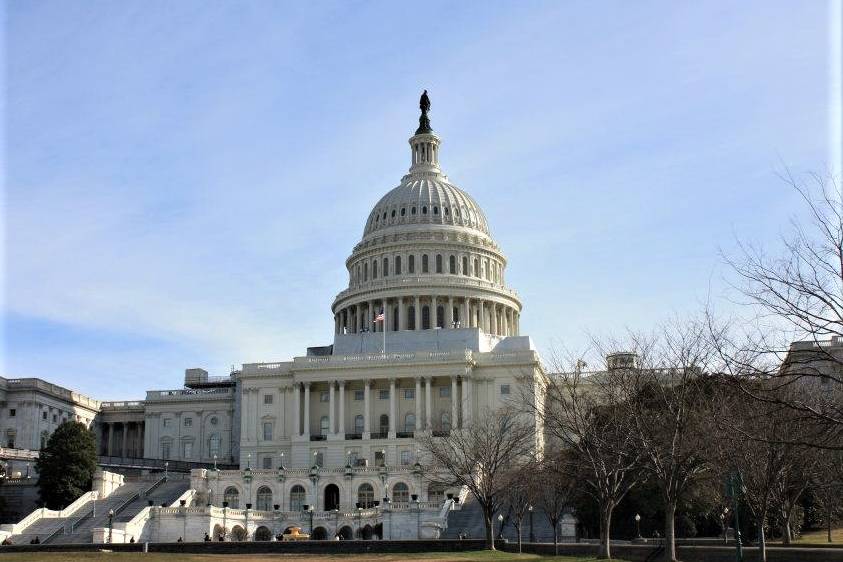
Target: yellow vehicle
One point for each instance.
(295, 534)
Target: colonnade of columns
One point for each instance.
(425, 312)
(459, 415)
(122, 439)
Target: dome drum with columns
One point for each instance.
(427, 259)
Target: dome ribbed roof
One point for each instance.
(426, 200)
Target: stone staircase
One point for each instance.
(127, 501)
(469, 521)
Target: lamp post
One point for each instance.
(281, 465)
(532, 536)
(734, 486)
(110, 524)
(723, 525)
(215, 462)
(500, 526)
(418, 517)
(309, 508)
(166, 468)
(336, 522)
(637, 527)
(359, 521)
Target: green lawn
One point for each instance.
(433, 556)
(821, 537)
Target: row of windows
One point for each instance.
(214, 448)
(188, 421)
(13, 412)
(298, 496)
(485, 268)
(463, 214)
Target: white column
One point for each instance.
(418, 404)
(494, 313)
(392, 424)
(366, 392)
(481, 316)
(428, 405)
(297, 408)
(449, 314)
(465, 321)
(418, 313)
(434, 318)
(342, 409)
(359, 317)
(466, 401)
(455, 414)
(307, 409)
(373, 326)
(331, 407)
(402, 315)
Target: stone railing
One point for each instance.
(438, 279)
(18, 454)
(399, 357)
(306, 471)
(122, 405)
(54, 390)
(190, 394)
(44, 513)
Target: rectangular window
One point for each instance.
(267, 463)
(379, 458)
(383, 394)
(358, 395)
(406, 458)
(55, 418)
(165, 451)
(12, 412)
(409, 394)
(188, 450)
(267, 399)
(353, 457)
(11, 444)
(44, 415)
(444, 392)
(188, 422)
(267, 431)
(324, 396)
(504, 389)
(166, 422)
(320, 458)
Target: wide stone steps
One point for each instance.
(468, 521)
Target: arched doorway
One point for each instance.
(366, 533)
(219, 530)
(366, 495)
(332, 497)
(346, 533)
(319, 534)
(378, 531)
(238, 533)
(263, 534)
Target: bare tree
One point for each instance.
(666, 403)
(828, 484)
(795, 295)
(558, 474)
(585, 415)
(481, 457)
(519, 495)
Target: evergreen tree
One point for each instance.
(66, 465)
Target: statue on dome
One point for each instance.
(424, 102)
(424, 121)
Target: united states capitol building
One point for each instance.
(426, 337)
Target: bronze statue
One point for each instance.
(424, 102)
(424, 121)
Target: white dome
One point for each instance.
(426, 200)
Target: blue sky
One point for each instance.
(184, 180)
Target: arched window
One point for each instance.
(366, 271)
(400, 493)
(385, 267)
(264, 499)
(384, 423)
(397, 265)
(403, 211)
(323, 426)
(358, 424)
(436, 492)
(296, 497)
(366, 495)
(413, 211)
(440, 316)
(375, 269)
(488, 275)
(438, 263)
(395, 327)
(424, 210)
(452, 265)
(425, 318)
(445, 421)
(232, 496)
(411, 264)
(435, 210)
(465, 265)
(424, 263)
(393, 213)
(476, 267)
(214, 445)
(410, 422)
(411, 318)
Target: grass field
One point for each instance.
(821, 537)
(430, 557)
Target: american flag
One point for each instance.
(379, 317)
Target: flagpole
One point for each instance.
(384, 331)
